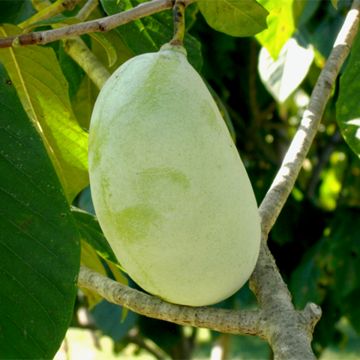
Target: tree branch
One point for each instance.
(288, 331)
(100, 25)
(222, 320)
(285, 179)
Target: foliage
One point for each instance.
(46, 101)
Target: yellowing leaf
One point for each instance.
(43, 92)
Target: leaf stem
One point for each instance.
(179, 23)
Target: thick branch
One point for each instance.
(102, 24)
(222, 320)
(285, 179)
(288, 331)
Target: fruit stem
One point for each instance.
(179, 22)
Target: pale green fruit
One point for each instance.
(169, 189)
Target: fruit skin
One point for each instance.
(169, 189)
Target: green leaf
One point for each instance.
(335, 3)
(280, 25)
(348, 104)
(234, 17)
(16, 11)
(39, 243)
(73, 73)
(43, 92)
(94, 244)
(84, 101)
(151, 32)
(284, 75)
(91, 232)
(107, 45)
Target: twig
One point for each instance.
(223, 320)
(102, 24)
(87, 9)
(285, 179)
(179, 22)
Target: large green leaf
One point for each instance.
(39, 243)
(43, 92)
(283, 76)
(151, 32)
(280, 25)
(348, 104)
(234, 17)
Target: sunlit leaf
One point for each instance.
(234, 17)
(43, 92)
(280, 25)
(332, 178)
(283, 76)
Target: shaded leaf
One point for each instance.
(283, 76)
(280, 25)
(91, 232)
(71, 70)
(303, 10)
(335, 3)
(84, 101)
(234, 17)
(43, 92)
(15, 11)
(332, 264)
(107, 45)
(348, 104)
(39, 242)
(151, 32)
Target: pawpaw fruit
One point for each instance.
(169, 188)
